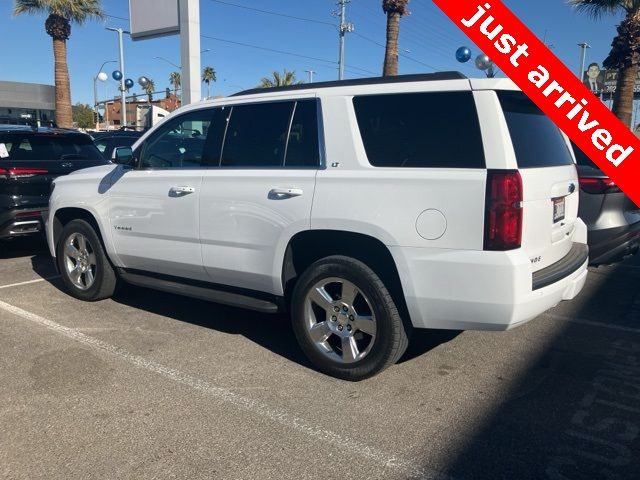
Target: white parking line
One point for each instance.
(591, 323)
(342, 443)
(29, 282)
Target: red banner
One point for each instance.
(557, 91)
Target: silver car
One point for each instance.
(612, 219)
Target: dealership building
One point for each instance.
(23, 103)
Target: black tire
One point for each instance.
(391, 339)
(105, 279)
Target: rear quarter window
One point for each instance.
(420, 130)
(581, 157)
(536, 140)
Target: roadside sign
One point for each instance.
(153, 18)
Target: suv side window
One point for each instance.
(179, 143)
(262, 135)
(421, 130)
(257, 134)
(302, 147)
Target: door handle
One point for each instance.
(181, 191)
(281, 193)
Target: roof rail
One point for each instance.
(420, 77)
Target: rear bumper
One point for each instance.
(19, 222)
(479, 290)
(613, 244)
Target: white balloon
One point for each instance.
(103, 77)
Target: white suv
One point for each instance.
(364, 208)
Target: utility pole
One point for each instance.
(583, 59)
(345, 27)
(123, 109)
(311, 73)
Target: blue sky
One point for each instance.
(427, 39)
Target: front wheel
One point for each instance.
(345, 319)
(85, 269)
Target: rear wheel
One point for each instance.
(83, 263)
(345, 319)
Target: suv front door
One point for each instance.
(262, 192)
(153, 208)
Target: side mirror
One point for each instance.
(123, 156)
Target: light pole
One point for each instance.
(123, 109)
(102, 77)
(311, 73)
(583, 59)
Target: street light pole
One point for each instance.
(583, 59)
(311, 73)
(123, 109)
(95, 92)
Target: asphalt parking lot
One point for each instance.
(150, 385)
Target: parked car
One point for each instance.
(107, 142)
(30, 158)
(364, 208)
(613, 220)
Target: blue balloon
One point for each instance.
(128, 83)
(117, 75)
(463, 54)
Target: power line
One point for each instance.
(283, 52)
(399, 53)
(117, 18)
(277, 14)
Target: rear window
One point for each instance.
(581, 157)
(536, 139)
(421, 130)
(49, 147)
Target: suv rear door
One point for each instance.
(260, 192)
(549, 179)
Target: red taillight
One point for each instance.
(36, 213)
(598, 185)
(22, 172)
(503, 215)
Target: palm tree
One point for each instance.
(280, 79)
(149, 88)
(625, 51)
(394, 9)
(208, 76)
(174, 80)
(61, 13)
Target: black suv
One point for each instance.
(30, 158)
